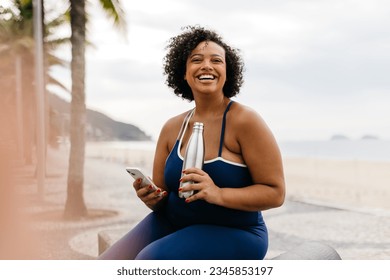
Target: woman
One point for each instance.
(242, 173)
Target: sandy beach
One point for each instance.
(354, 184)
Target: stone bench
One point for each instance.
(108, 237)
(309, 250)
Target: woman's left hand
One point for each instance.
(203, 186)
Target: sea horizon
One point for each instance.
(362, 149)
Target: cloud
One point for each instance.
(313, 68)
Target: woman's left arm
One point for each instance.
(262, 156)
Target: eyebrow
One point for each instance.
(203, 55)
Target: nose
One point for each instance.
(206, 65)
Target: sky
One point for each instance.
(313, 68)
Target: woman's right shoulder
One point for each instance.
(172, 126)
(175, 122)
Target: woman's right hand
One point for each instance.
(148, 195)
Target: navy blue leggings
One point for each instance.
(154, 238)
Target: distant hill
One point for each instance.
(364, 137)
(99, 126)
(339, 137)
(370, 137)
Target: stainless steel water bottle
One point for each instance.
(194, 156)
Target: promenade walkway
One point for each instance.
(111, 200)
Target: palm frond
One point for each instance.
(54, 60)
(53, 81)
(53, 43)
(115, 11)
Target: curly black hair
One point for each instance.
(179, 49)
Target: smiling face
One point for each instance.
(206, 68)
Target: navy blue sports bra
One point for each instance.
(225, 174)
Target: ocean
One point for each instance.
(370, 149)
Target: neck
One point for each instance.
(210, 107)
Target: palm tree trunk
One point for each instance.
(19, 107)
(75, 206)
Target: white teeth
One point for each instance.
(206, 77)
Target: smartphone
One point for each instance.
(137, 173)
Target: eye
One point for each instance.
(196, 59)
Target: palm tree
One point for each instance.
(17, 56)
(75, 205)
(19, 21)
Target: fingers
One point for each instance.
(195, 196)
(197, 184)
(153, 199)
(202, 185)
(137, 184)
(148, 194)
(191, 177)
(194, 170)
